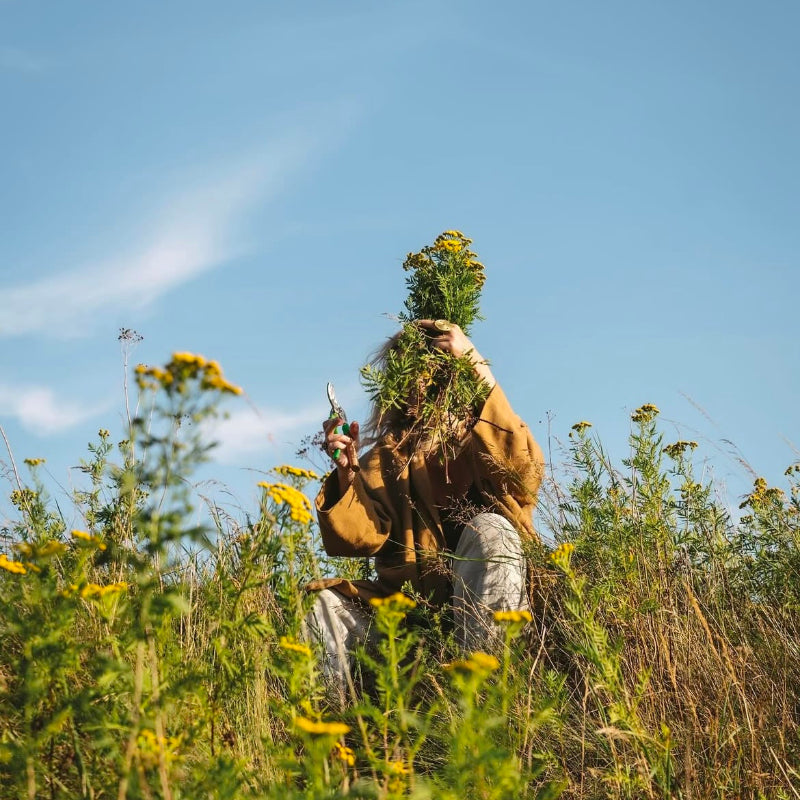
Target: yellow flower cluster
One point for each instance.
(580, 427)
(23, 498)
(92, 590)
(294, 647)
(677, 449)
(151, 747)
(513, 616)
(34, 462)
(344, 754)
(83, 536)
(645, 413)
(182, 368)
(283, 494)
(476, 663)
(11, 566)
(793, 469)
(450, 245)
(562, 554)
(50, 548)
(761, 495)
(447, 242)
(396, 602)
(297, 472)
(396, 767)
(320, 728)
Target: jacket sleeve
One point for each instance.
(358, 522)
(509, 459)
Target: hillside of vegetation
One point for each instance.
(157, 652)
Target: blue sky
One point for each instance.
(243, 180)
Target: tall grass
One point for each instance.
(156, 650)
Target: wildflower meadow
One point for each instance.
(154, 648)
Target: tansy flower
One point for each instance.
(298, 472)
(23, 498)
(513, 616)
(298, 504)
(395, 601)
(344, 753)
(676, 449)
(395, 767)
(580, 427)
(34, 462)
(189, 358)
(645, 413)
(450, 245)
(321, 728)
(89, 539)
(184, 367)
(477, 662)
(51, 548)
(561, 555)
(295, 647)
(95, 590)
(152, 748)
(11, 566)
(761, 494)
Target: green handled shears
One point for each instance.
(337, 411)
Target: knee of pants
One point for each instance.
(489, 535)
(321, 617)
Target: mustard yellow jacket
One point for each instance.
(388, 511)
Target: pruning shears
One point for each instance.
(338, 412)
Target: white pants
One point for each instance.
(488, 575)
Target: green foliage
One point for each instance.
(420, 391)
(444, 281)
(157, 650)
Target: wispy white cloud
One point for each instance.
(199, 229)
(39, 410)
(250, 432)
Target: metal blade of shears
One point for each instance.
(337, 411)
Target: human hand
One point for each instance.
(347, 445)
(454, 340)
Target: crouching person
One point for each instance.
(449, 524)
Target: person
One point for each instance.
(451, 529)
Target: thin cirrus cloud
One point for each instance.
(39, 410)
(251, 432)
(201, 229)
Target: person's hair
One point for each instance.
(389, 423)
